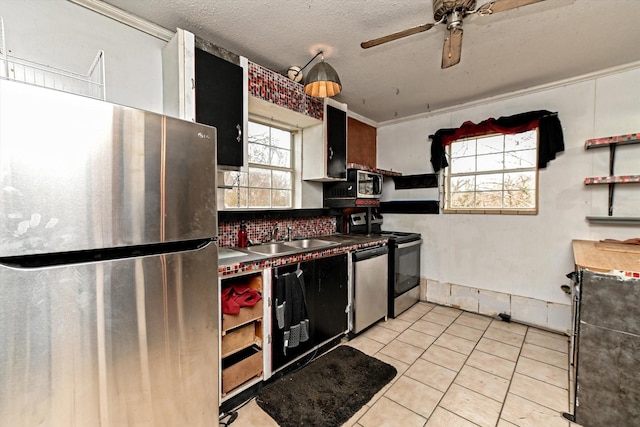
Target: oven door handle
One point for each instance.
(408, 244)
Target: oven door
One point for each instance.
(407, 267)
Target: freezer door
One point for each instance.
(81, 174)
(129, 342)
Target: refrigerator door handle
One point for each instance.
(97, 255)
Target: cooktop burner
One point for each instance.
(400, 236)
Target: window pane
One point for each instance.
(519, 159)
(259, 154)
(463, 165)
(259, 178)
(491, 145)
(489, 182)
(236, 178)
(489, 199)
(520, 181)
(490, 162)
(463, 148)
(463, 183)
(259, 198)
(519, 199)
(281, 180)
(258, 133)
(281, 158)
(521, 141)
(462, 200)
(236, 197)
(280, 138)
(281, 198)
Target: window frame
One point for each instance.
(447, 175)
(250, 165)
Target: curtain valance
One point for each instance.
(550, 138)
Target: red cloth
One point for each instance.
(485, 127)
(236, 296)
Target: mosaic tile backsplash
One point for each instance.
(260, 230)
(273, 87)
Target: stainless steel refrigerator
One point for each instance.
(108, 264)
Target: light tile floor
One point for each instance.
(459, 369)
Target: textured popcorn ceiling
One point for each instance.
(510, 51)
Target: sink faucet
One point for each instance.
(274, 233)
(289, 233)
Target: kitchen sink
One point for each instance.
(310, 243)
(281, 248)
(271, 249)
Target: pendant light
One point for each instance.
(322, 81)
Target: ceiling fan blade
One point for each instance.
(452, 49)
(396, 36)
(501, 5)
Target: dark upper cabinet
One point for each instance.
(324, 146)
(202, 87)
(220, 103)
(336, 123)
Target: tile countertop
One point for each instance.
(236, 260)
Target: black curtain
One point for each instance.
(550, 138)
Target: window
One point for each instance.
(493, 174)
(269, 180)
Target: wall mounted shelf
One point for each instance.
(612, 142)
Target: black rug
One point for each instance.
(328, 391)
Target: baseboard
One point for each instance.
(554, 317)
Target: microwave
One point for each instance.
(368, 184)
(360, 185)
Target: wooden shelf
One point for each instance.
(612, 142)
(622, 179)
(632, 138)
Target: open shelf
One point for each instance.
(623, 179)
(612, 142)
(628, 220)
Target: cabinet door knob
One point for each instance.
(330, 153)
(239, 137)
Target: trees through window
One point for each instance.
(492, 174)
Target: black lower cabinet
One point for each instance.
(326, 295)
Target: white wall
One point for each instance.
(61, 34)
(526, 256)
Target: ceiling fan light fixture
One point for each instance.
(322, 81)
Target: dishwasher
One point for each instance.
(369, 298)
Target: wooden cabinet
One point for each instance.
(241, 338)
(326, 293)
(200, 86)
(324, 146)
(362, 145)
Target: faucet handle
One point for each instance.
(289, 233)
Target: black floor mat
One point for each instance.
(328, 391)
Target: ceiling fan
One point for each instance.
(451, 13)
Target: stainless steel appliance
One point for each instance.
(404, 260)
(108, 264)
(370, 269)
(362, 188)
(404, 270)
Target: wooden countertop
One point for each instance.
(605, 256)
